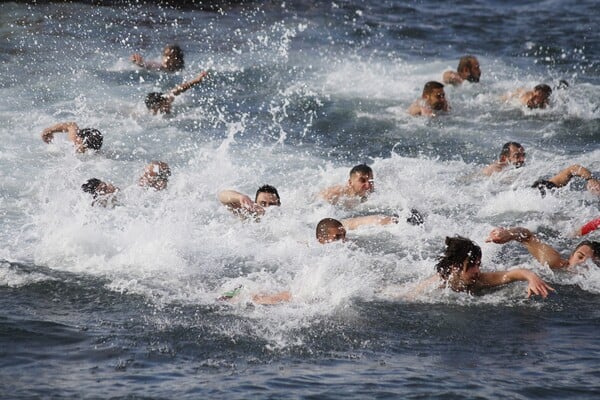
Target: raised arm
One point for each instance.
(70, 127)
(497, 278)
(542, 252)
(186, 85)
(353, 223)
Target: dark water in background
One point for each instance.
(115, 303)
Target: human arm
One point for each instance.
(269, 299)
(138, 60)
(493, 168)
(70, 127)
(542, 252)
(415, 108)
(177, 90)
(497, 278)
(564, 176)
(239, 201)
(589, 227)
(353, 223)
(333, 194)
(451, 78)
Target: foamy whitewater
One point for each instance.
(121, 302)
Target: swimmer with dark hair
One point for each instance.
(539, 97)
(459, 269)
(512, 154)
(83, 139)
(243, 206)
(156, 175)
(432, 99)
(102, 192)
(172, 60)
(565, 176)
(468, 70)
(161, 102)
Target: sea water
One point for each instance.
(121, 302)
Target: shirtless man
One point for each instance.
(565, 176)
(156, 175)
(512, 154)
(331, 230)
(468, 70)
(543, 252)
(539, 97)
(242, 205)
(83, 139)
(360, 185)
(433, 99)
(161, 102)
(172, 60)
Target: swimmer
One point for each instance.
(588, 227)
(539, 97)
(161, 102)
(102, 192)
(459, 269)
(331, 230)
(242, 205)
(468, 70)
(433, 99)
(83, 139)
(543, 252)
(156, 175)
(360, 185)
(512, 154)
(172, 60)
(565, 176)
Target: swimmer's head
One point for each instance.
(96, 187)
(586, 250)
(158, 102)
(330, 230)
(460, 257)
(89, 138)
(541, 96)
(434, 95)
(513, 153)
(468, 68)
(361, 180)
(172, 58)
(267, 196)
(156, 175)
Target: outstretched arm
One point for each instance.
(70, 127)
(535, 284)
(138, 60)
(239, 201)
(186, 85)
(564, 176)
(353, 223)
(542, 252)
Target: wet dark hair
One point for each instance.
(430, 86)
(506, 148)
(542, 87)
(458, 249)
(542, 185)
(91, 186)
(595, 246)
(154, 100)
(267, 189)
(177, 55)
(324, 225)
(91, 138)
(562, 84)
(361, 169)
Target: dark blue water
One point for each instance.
(121, 303)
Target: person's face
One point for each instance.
(581, 255)
(516, 156)
(163, 107)
(472, 73)
(538, 100)
(265, 200)
(155, 177)
(333, 234)
(436, 99)
(362, 184)
(470, 271)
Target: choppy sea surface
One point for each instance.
(121, 302)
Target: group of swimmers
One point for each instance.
(458, 268)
